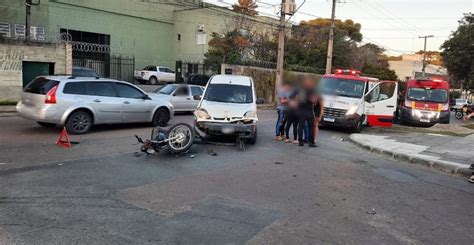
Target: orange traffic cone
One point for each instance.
(63, 139)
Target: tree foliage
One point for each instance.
(226, 48)
(458, 51)
(306, 47)
(247, 7)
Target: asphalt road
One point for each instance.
(97, 192)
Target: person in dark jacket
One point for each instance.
(307, 98)
(318, 115)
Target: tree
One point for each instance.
(247, 7)
(458, 52)
(432, 57)
(348, 27)
(226, 48)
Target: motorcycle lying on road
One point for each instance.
(178, 139)
(460, 113)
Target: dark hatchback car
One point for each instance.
(198, 79)
(78, 71)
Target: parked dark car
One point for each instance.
(198, 79)
(78, 71)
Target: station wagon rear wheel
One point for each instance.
(79, 122)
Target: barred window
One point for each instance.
(5, 29)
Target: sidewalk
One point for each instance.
(447, 153)
(7, 110)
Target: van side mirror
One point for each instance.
(197, 97)
(368, 97)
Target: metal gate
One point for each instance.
(98, 57)
(185, 70)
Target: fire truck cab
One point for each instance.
(351, 100)
(425, 102)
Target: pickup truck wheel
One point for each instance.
(153, 81)
(161, 117)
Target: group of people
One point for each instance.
(300, 108)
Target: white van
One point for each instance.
(228, 107)
(352, 101)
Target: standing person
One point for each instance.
(292, 117)
(307, 98)
(318, 115)
(281, 108)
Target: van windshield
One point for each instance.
(229, 93)
(428, 95)
(168, 89)
(342, 87)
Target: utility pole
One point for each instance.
(331, 39)
(281, 48)
(424, 54)
(27, 19)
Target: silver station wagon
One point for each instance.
(80, 102)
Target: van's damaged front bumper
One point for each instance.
(205, 129)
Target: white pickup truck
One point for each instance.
(154, 75)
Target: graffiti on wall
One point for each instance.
(11, 60)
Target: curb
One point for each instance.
(8, 114)
(440, 165)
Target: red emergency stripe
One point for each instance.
(429, 106)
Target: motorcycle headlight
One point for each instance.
(352, 110)
(201, 114)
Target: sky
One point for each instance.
(393, 24)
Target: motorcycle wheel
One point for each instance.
(459, 114)
(182, 138)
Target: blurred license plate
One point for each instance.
(425, 120)
(329, 119)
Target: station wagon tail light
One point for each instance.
(51, 96)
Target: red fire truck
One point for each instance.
(424, 102)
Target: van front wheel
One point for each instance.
(359, 125)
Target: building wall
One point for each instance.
(136, 28)
(13, 53)
(409, 68)
(213, 19)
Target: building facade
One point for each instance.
(117, 36)
(411, 66)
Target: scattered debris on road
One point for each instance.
(278, 163)
(211, 152)
(192, 156)
(371, 211)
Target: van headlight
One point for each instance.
(201, 114)
(352, 110)
(249, 116)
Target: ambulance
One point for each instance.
(352, 101)
(425, 101)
